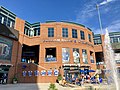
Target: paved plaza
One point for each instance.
(45, 86)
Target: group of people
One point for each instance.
(83, 78)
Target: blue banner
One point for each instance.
(29, 73)
(24, 73)
(49, 72)
(43, 73)
(56, 72)
(36, 73)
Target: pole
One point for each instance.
(100, 22)
(99, 17)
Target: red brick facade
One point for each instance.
(44, 41)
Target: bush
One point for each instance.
(14, 80)
(52, 87)
(59, 77)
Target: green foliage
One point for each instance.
(59, 77)
(15, 79)
(52, 87)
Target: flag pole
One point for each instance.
(99, 17)
(100, 23)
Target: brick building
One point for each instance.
(38, 52)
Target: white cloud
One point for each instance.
(105, 2)
(113, 27)
(86, 12)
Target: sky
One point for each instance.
(78, 11)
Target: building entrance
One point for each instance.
(4, 74)
(71, 72)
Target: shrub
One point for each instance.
(59, 77)
(52, 87)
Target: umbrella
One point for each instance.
(82, 71)
(91, 71)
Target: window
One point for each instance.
(26, 30)
(8, 22)
(91, 57)
(82, 35)
(119, 39)
(97, 41)
(111, 40)
(0, 19)
(5, 21)
(74, 33)
(36, 31)
(89, 37)
(64, 32)
(115, 40)
(50, 54)
(50, 32)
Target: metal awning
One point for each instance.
(5, 64)
(71, 65)
(9, 32)
(84, 65)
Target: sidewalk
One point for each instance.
(45, 86)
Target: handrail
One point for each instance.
(39, 66)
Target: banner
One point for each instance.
(36, 73)
(29, 73)
(56, 72)
(24, 73)
(84, 56)
(50, 58)
(65, 55)
(43, 73)
(49, 72)
(91, 59)
(76, 55)
(5, 48)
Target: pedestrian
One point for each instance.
(97, 78)
(82, 79)
(4, 79)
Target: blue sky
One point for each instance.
(79, 11)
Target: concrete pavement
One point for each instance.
(45, 86)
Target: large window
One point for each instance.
(6, 21)
(50, 32)
(30, 54)
(82, 35)
(64, 32)
(50, 54)
(89, 37)
(31, 31)
(115, 39)
(74, 33)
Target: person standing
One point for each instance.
(97, 78)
